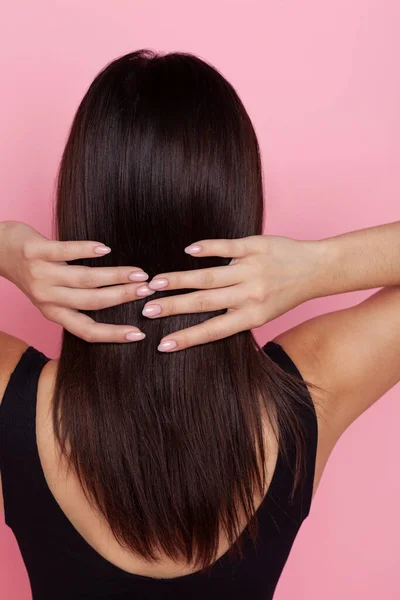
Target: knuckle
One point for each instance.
(35, 270)
(208, 278)
(211, 334)
(167, 306)
(242, 247)
(204, 303)
(183, 340)
(37, 292)
(87, 335)
(52, 313)
(28, 250)
(174, 281)
(32, 276)
(121, 274)
(65, 248)
(87, 278)
(127, 293)
(258, 293)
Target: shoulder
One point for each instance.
(11, 350)
(351, 355)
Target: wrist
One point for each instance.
(326, 275)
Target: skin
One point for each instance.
(353, 354)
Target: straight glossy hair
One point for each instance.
(168, 447)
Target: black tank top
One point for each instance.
(61, 565)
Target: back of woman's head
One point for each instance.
(162, 154)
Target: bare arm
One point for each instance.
(353, 353)
(359, 260)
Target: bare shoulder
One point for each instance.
(352, 354)
(11, 350)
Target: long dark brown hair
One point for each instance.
(168, 447)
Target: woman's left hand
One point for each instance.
(38, 267)
(267, 276)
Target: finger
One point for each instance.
(77, 276)
(194, 302)
(84, 327)
(237, 248)
(97, 299)
(213, 329)
(204, 279)
(63, 251)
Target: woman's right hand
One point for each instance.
(267, 276)
(38, 266)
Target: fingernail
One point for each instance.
(144, 290)
(192, 249)
(102, 250)
(134, 336)
(157, 284)
(138, 276)
(167, 345)
(151, 310)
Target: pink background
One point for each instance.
(321, 83)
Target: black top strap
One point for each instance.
(18, 407)
(308, 418)
(18, 449)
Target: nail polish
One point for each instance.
(134, 336)
(167, 345)
(101, 249)
(138, 276)
(152, 310)
(158, 284)
(144, 290)
(193, 249)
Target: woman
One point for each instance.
(173, 457)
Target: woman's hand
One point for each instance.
(38, 267)
(267, 276)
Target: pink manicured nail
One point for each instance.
(102, 249)
(138, 276)
(144, 290)
(193, 249)
(134, 336)
(158, 284)
(167, 346)
(152, 310)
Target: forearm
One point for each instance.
(359, 260)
